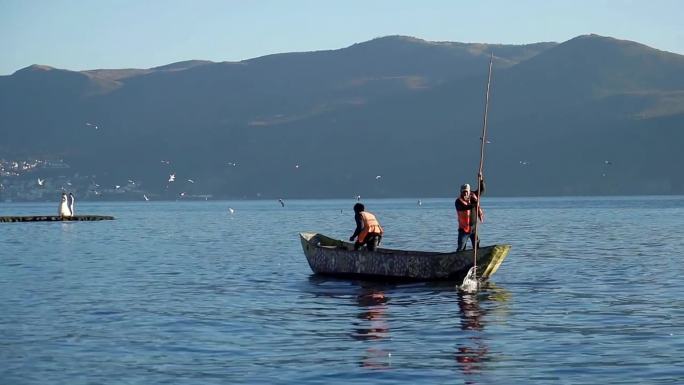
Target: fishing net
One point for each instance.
(470, 283)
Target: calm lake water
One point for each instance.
(187, 293)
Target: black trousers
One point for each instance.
(372, 241)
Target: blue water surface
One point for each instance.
(188, 293)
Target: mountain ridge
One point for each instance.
(556, 111)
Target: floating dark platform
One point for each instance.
(56, 218)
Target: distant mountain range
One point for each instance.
(590, 116)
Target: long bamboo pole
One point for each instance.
(479, 173)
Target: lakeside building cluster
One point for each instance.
(44, 180)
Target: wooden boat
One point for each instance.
(335, 257)
(52, 218)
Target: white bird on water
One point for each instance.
(71, 201)
(64, 210)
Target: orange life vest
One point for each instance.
(465, 218)
(370, 225)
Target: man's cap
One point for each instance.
(465, 187)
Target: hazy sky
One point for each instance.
(80, 34)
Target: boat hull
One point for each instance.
(338, 258)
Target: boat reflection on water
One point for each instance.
(473, 354)
(375, 313)
(372, 326)
(373, 323)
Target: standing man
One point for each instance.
(368, 229)
(466, 205)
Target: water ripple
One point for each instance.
(183, 292)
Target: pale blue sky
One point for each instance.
(80, 34)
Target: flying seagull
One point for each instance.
(282, 203)
(41, 182)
